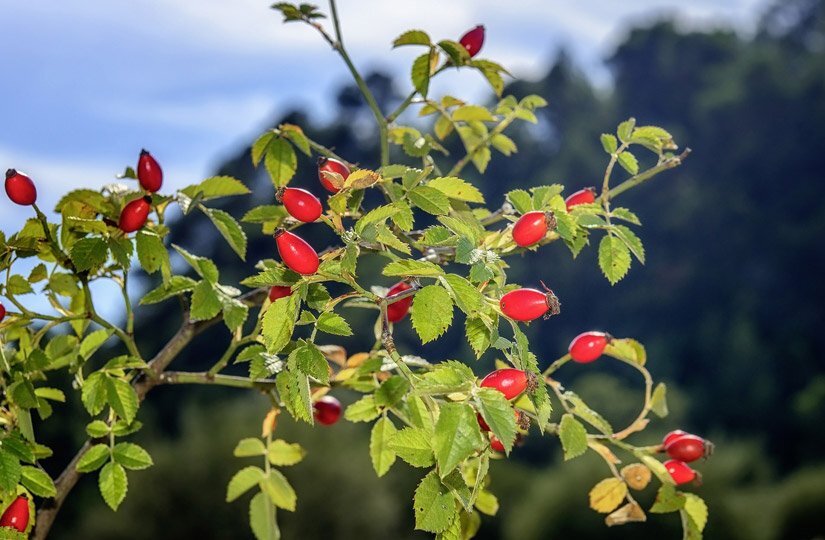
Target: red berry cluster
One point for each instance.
(150, 176)
(684, 448)
(302, 205)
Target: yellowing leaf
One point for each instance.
(607, 495)
(631, 512)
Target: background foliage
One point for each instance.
(730, 303)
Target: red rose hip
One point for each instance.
(279, 291)
(672, 436)
(509, 381)
(296, 253)
(16, 515)
(532, 227)
(20, 188)
(2, 312)
(496, 444)
(399, 309)
(680, 472)
(134, 214)
(588, 346)
(301, 204)
(529, 304)
(332, 166)
(473, 40)
(583, 196)
(688, 448)
(327, 410)
(149, 173)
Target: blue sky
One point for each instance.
(88, 83)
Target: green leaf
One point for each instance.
(282, 453)
(151, 252)
(122, 250)
(205, 302)
(695, 508)
(434, 505)
(456, 51)
(409, 268)
(521, 200)
(456, 188)
(487, 503)
(573, 437)
(235, 312)
(467, 298)
(259, 147)
(280, 161)
(249, 447)
(175, 286)
(332, 323)
(310, 361)
(625, 130)
(633, 242)
(113, 484)
(499, 415)
(445, 378)
(629, 162)
(262, 520)
(391, 391)
(381, 453)
(279, 322)
(93, 393)
(609, 143)
(413, 446)
(279, 491)
(457, 436)
(362, 410)
(265, 213)
(412, 37)
(38, 482)
(478, 335)
(204, 267)
(420, 73)
(667, 500)
(132, 456)
(293, 388)
(243, 481)
(626, 215)
(92, 342)
(229, 229)
(627, 349)
(614, 258)
(296, 135)
(430, 200)
(504, 144)
(472, 113)
(122, 398)
(97, 429)
(403, 216)
(580, 409)
(10, 471)
(18, 285)
(216, 187)
(88, 253)
(432, 312)
(658, 401)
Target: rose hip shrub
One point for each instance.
(444, 257)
